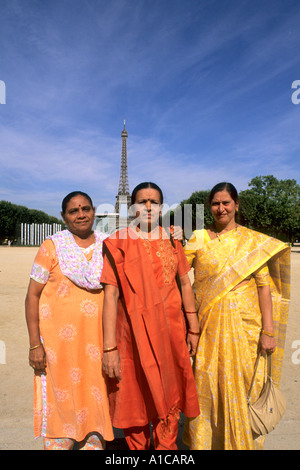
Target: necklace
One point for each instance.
(217, 233)
(141, 235)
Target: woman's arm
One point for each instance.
(192, 317)
(267, 343)
(111, 359)
(194, 244)
(37, 357)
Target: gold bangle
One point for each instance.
(110, 349)
(267, 333)
(34, 347)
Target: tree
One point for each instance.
(189, 214)
(7, 220)
(272, 206)
(11, 215)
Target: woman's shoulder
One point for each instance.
(198, 233)
(257, 239)
(202, 234)
(254, 234)
(119, 234)
(120, 239)
(197, 240)
(48, 247)
(48, 242)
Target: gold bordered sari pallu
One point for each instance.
(230, 328)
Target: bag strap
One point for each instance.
(269, 371)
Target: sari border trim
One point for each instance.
(44, 401)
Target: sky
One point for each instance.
(205, 87)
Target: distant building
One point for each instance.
(108, 222)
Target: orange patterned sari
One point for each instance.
(70, 400)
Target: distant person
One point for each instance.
(146, 357)
(64, 317)
(242, 291)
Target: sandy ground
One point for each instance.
(16, 396)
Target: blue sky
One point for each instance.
(205, 87)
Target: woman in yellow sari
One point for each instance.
(241, 284)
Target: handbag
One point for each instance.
(269, 408)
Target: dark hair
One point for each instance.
(224, 187)
(70, 196)
(146, 185)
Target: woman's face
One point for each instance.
(147, 207)
(223, 208)
(79, 216)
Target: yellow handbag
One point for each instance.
(269, 408)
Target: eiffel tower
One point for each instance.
(123, 197)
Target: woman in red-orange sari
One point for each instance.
(146, 355)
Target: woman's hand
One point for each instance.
(37, 356)
(267, 344)
(37, 359)
(176, 232)
(192, 343)
(111, 364)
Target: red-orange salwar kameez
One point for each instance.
(157, 380)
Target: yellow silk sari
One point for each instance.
(230, 322)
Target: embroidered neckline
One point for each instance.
(164, 251)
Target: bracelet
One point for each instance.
(193, 333)
(110, 349)
(34, 347)
(267, 333)
(189, 312)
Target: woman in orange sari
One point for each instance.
(63, 312)
(146, 356)
(241, 284)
